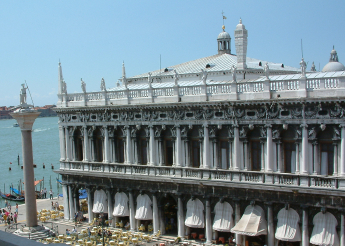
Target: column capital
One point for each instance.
(205, 125)
(268, 125)
(304, 207)
(342, 125)
(304, 125)
(268, 204)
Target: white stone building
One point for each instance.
(219, 147)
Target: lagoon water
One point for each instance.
(46, 149)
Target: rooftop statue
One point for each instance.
(303, 67)
(176, 77)
(23, 95)
(267, 70)
(83, 86)
(234, 76)
(149, 79)
(64, 87)
(103, 85)
(204, 76)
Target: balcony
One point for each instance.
(215, 177)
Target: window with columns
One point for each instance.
(289, 152)
(142, 141)
(223, 148)
(195, 143)
(78, 145)
(326, 151)
(98, 145)
(119, 145)
(255, 152)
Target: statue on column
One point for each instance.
(23, 95)
(83, 86)
(176, 77)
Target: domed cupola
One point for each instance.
(333, 64)
(224, 42)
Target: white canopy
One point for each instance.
(100, 202)
(223, 217)
(324, 231)
(144, 210)
(121, 205)
(195, 214)
(252, 222)
(287, 226)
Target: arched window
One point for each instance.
(78, 145)
(98, 145)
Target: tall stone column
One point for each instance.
(65, 201)
(270, 225)
(245, 158)
(238, 237)
(106, 144)
(131, 211)
(342, 151)
(152, 147)
(86, 145)
(215, 154)
(180, 218)
(161, 220)
(304, 159)
(316, 158)
(89, 204)
(206, 149)
(230, 155)
(297, 157)
(135, 149)
(262, 142)
(26, 118)
(62, 143)
(335, 168)
(71, 203)
(305, 232)
(128, 146)
(236, 148)
(68, 145)
(269, 149)
(160, 152)
(110, 205)
(178, 146)
(208, 222)
(155, 214)
(279, 159)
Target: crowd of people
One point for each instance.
(7, 216)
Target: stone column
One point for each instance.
(342, 228)
(68, 145)
(238, 237)
(128, 146)
(174, 153)
(245, 156)
(71, 203)
(335, 168)
(304, 159)
(297, 157)
(89, 204)
(160, 152)
(180, 218)
(26, 118)
(279, 159)
(155, 214)
(106, 144)
(131, 211)
(342, 151)
(215, 156)
(152, 147)
(269, 149)
(65, 201)
(305, 232)
(86, 145)
(62, 144)
(208, 228)
(270, 225)
(187, 151)
(316, 158)
(110, 206)
(135, 149)
(262, 142)
(178, 146)
(73, 149)
(161, 220)
(230, 155)
(206, 149)
(236, 148)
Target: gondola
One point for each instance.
(12, 197)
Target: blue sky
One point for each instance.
(93, 38)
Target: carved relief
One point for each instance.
(230, 131)
(273, 112)
(212, 131)
(261, 112)
(238, 112)
(229, 113)
(158, 131)
(184, 131)
(263, 131)
(296, 112)
(312, 133)
(311, 111)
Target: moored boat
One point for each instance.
(12, 197)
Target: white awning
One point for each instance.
(223, 217)
(252, 222)
(121, 205)
(144, 210)
(324, 231)
(100, 202)
(195, 214)
(287, 226)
